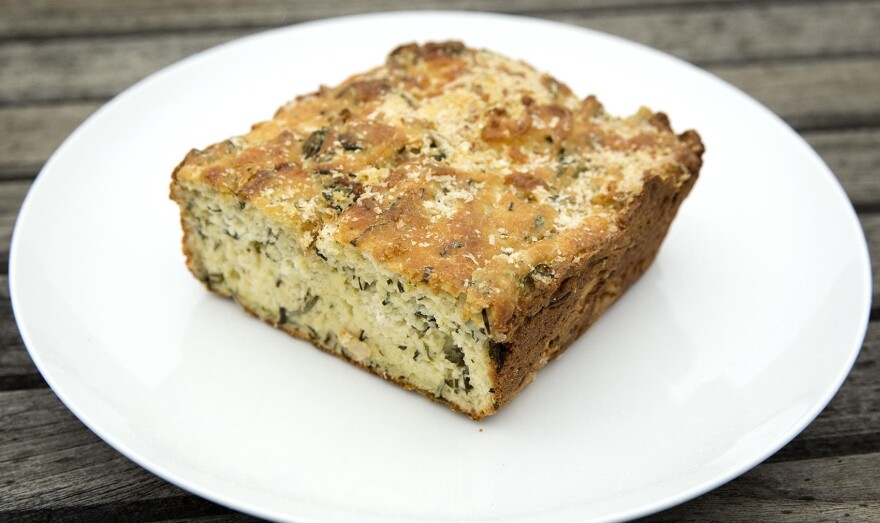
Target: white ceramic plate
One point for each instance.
(728, 347)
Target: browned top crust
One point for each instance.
(459, 169)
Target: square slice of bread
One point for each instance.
(451, 220)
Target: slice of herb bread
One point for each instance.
(450, 220)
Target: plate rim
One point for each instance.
(254, 509)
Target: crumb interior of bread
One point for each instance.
(331, 294)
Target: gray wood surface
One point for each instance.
(39, 18)
(815, 63)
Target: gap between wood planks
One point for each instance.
(828, 446)
(186, 507)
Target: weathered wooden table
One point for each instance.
(816, 63)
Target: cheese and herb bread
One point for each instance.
(451, 220)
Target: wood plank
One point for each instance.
(871, 226)
(51, 460)
(29, 135)
(17, 370)
(808, 93)
(186, 506)
(746, 32)
(853, 155)
(851, 421)
(712, 507)
(828, 489)
(738, 32)
(11, 195)
(50, 18)
(847, 478)
(230, 518)
(91, 69)
(813, 93)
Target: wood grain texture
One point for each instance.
(813, 94)
(748, 31)
(178, 508)
(825, 488)
(737, 31)
(808, 93)
(30, 134)
(854, 157)
(17, 370)
(851, 421)
(11, 195)
(40, 18)
(91, 69)
(871, 226)
(58, 461)
(723, 506)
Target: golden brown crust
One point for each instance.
(472, 175)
